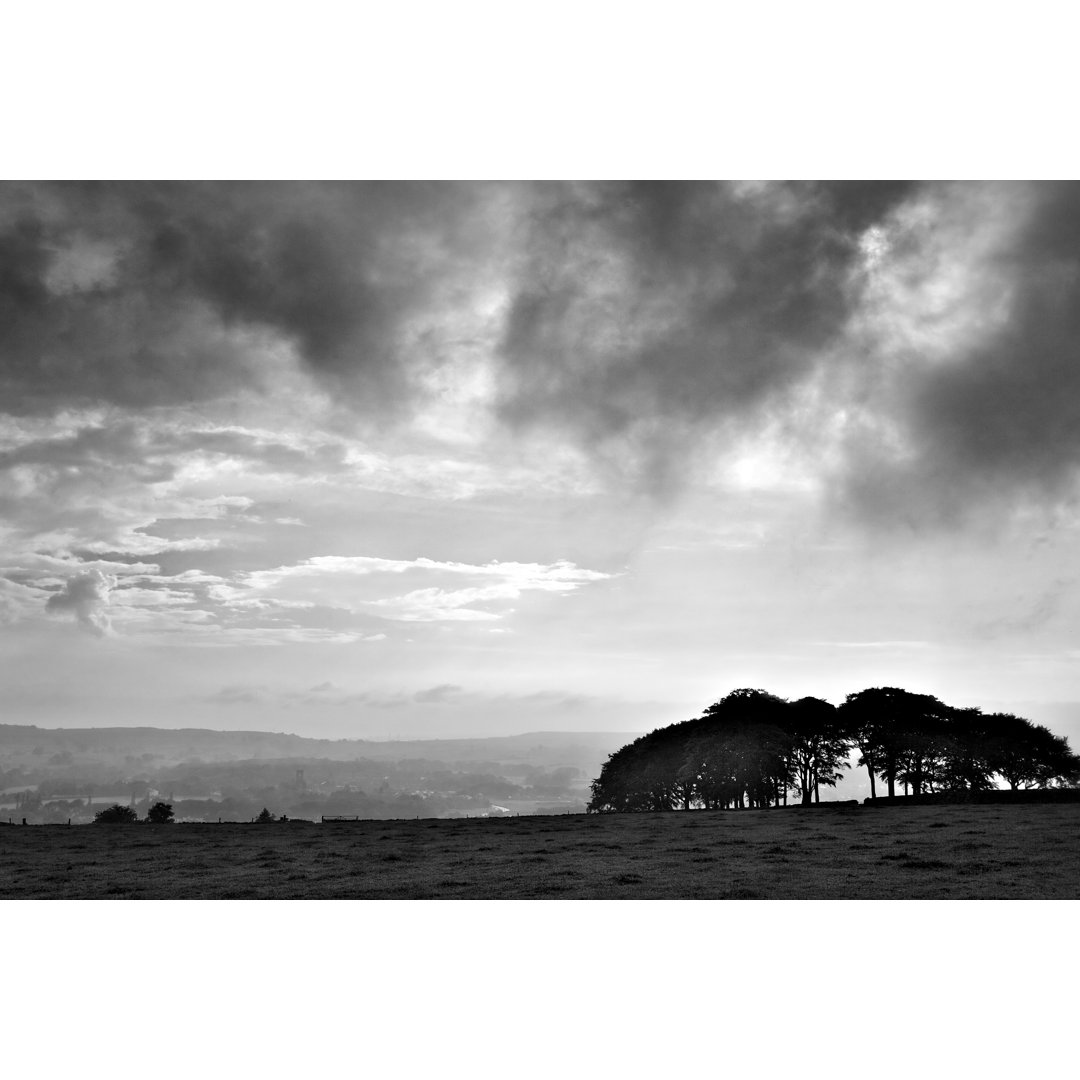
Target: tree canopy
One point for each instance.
(160, 814)
(752, 748)
(115, 815)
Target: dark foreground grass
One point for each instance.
(918, 852)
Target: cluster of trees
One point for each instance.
(117, 814)
(752, 749)
(159, 814)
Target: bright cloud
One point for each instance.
(358, 583)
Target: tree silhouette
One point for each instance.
(750, 748)
(963, 758)
(895, 731)
(160, 814)
(115, 815)
(1030, 755)
(265, 815)
(749, 741)
(819, 747)
(738, 754)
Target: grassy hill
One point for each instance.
(849, 852)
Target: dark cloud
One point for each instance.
(631, 303)
(147, 293)
(647, 313)
(995, 418)
(641, 320)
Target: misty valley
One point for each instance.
(52, 776)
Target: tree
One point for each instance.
(923, 737)
(1030, 755)
(862, 726)
(751, 740)
(819, 747)
(115, 815)
(965, 752)
(265, 815)
(713, 764)
(160, 814)
(736, 754)
(896, 732)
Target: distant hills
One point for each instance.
(128, 747)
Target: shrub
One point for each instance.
(115, 815)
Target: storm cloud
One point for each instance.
(646, 314)
(981, 395)
(162, 293)
(916, 343)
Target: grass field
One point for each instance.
(919, 852)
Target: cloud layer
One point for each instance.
(147, 294)
(198, 378)
(918, 340)
(646, 316)
(977, 354)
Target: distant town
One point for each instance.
(52, 776)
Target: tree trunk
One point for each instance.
(817, 794)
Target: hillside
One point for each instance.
(26, 744)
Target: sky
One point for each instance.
(436, 460)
